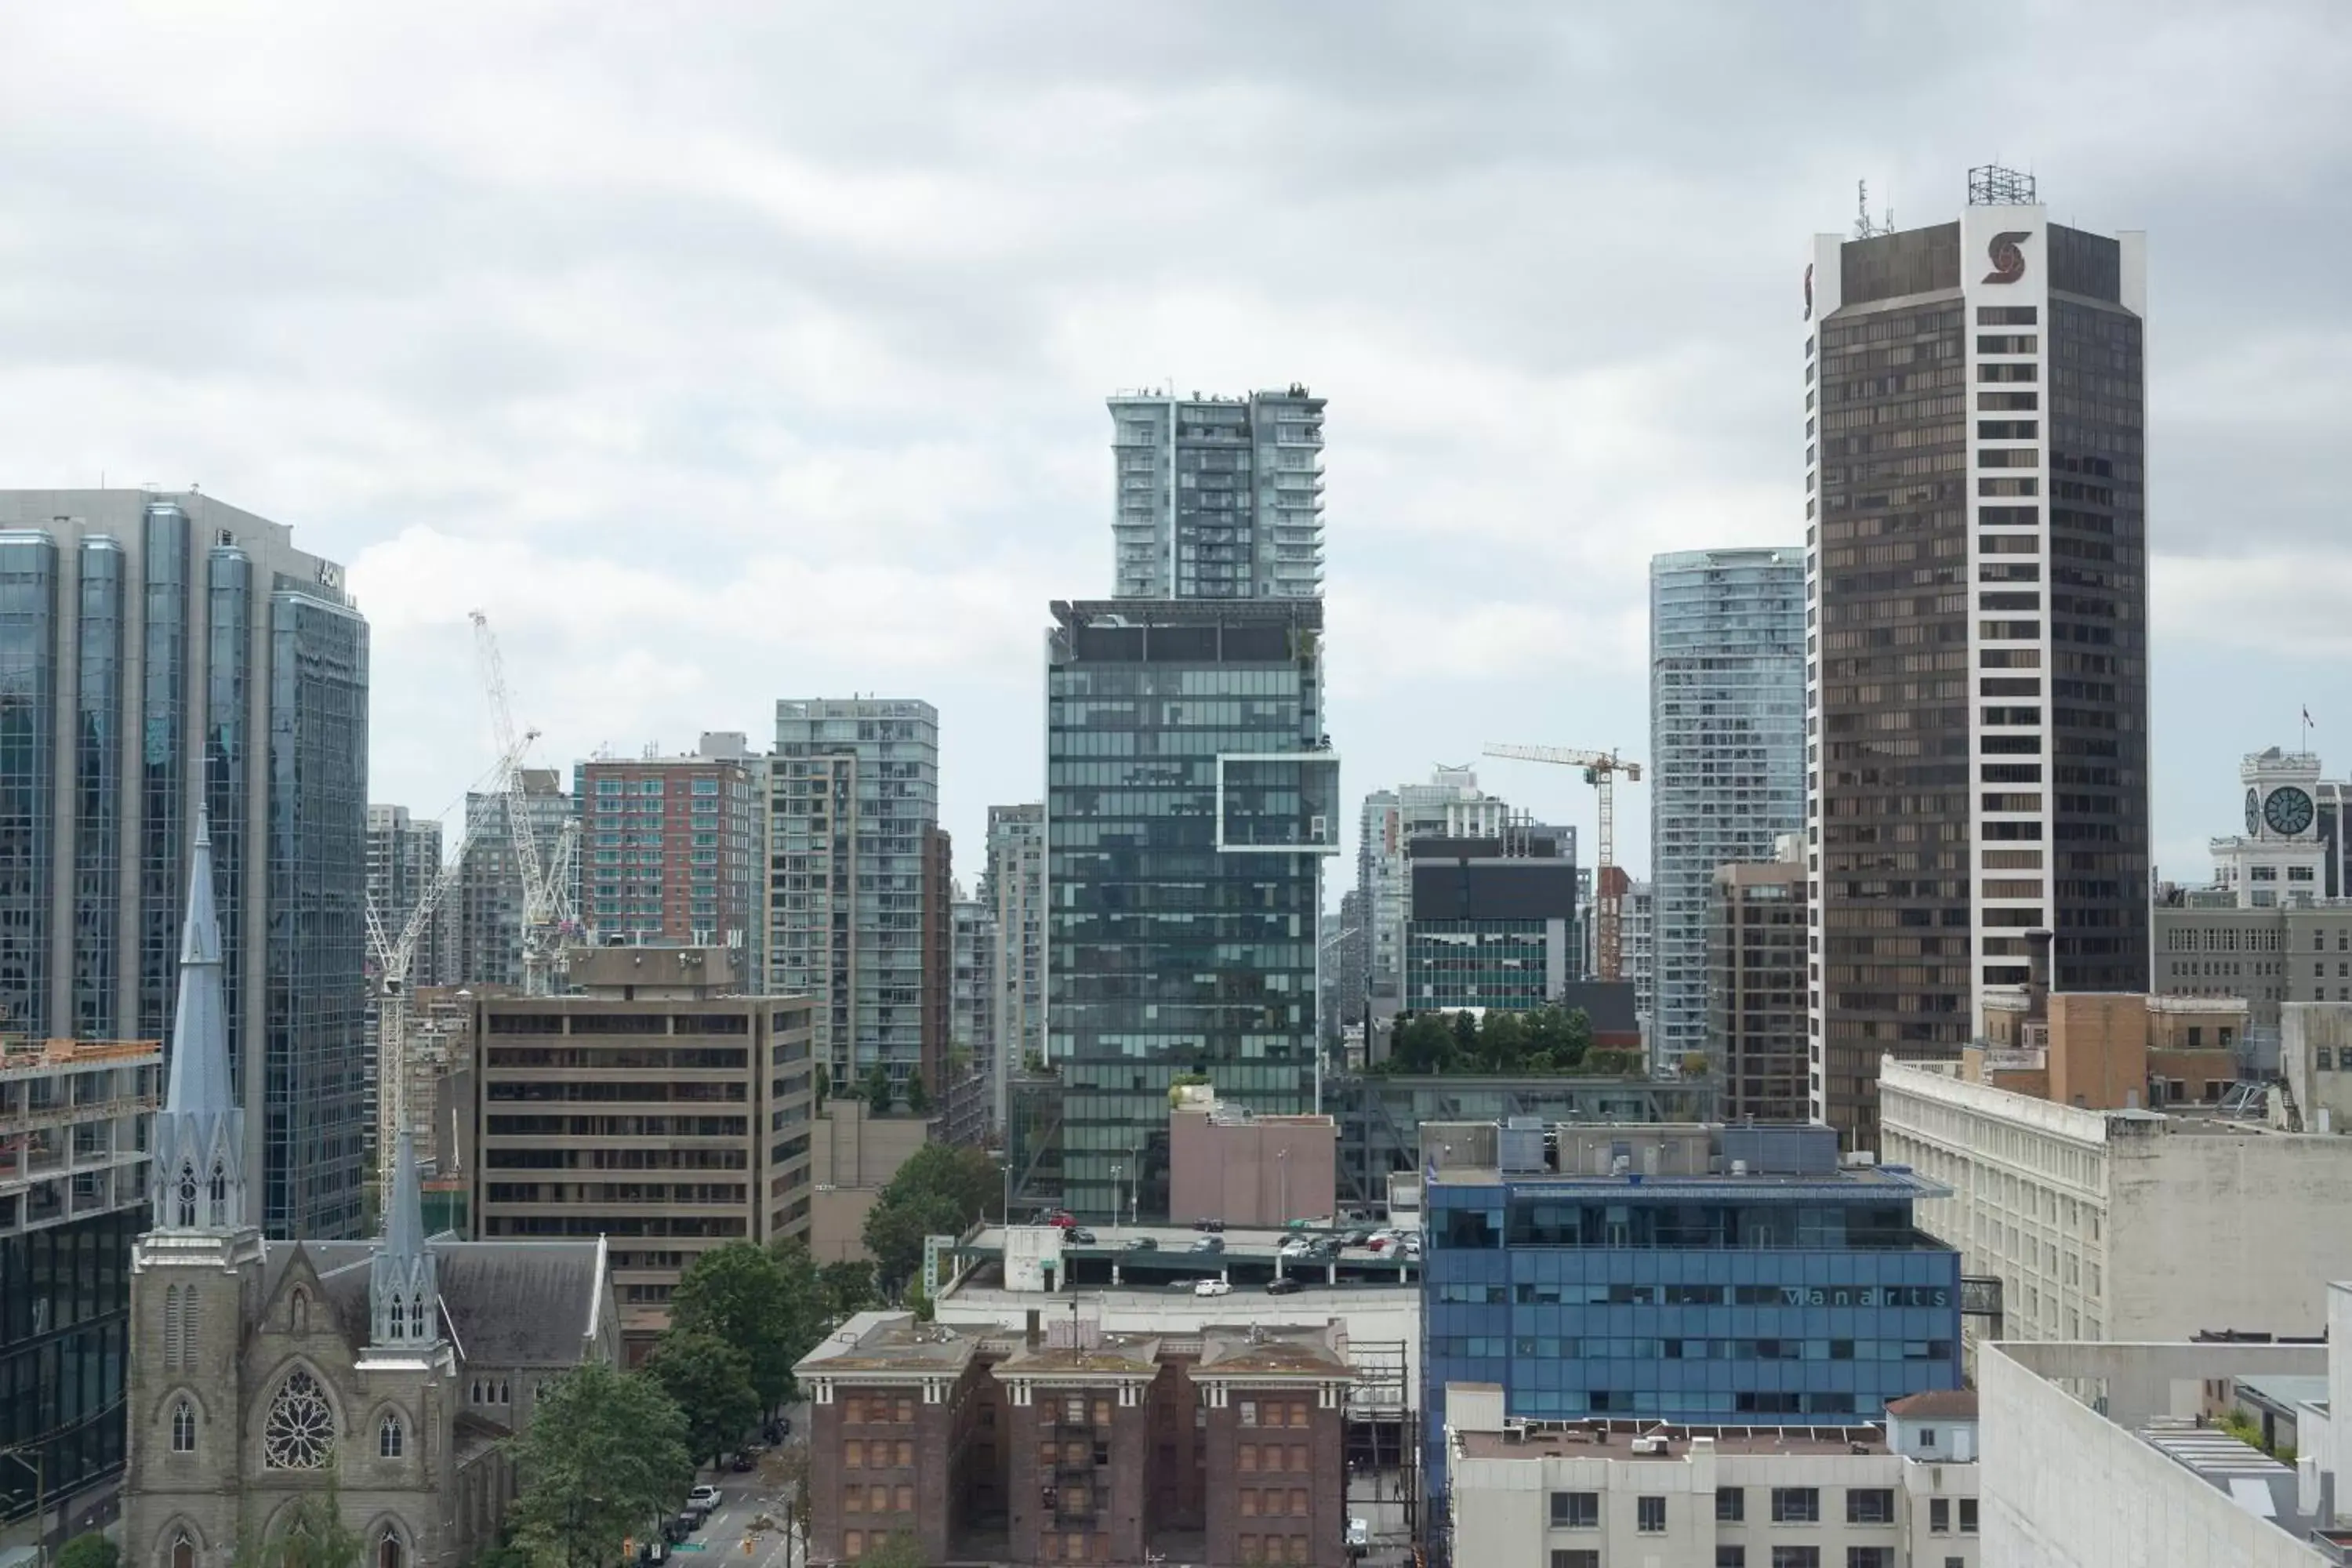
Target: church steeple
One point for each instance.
(404, 1297)
(199, 1143)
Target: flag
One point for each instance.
(2306, 716)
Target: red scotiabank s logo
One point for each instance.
(2007, 261)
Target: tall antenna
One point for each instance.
(1864, 227)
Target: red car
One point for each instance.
(1062, 1218)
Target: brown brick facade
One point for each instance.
(1278, 1477)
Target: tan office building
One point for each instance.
(658, 1107)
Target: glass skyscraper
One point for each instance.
(1685, 1274)
(1191, 796)
(1727, 748)
(1975, 429)
(1218, 497)
(209, 665)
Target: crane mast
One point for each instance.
(546, 904)
(1601, 771)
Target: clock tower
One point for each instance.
(2280, 857)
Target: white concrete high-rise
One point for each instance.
(1218, 497)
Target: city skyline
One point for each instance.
(507, 409)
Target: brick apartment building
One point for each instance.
(1078, 1447)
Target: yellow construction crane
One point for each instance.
(1601, 771)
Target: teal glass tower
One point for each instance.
(1191, 798)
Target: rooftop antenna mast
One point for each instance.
(1864, 227)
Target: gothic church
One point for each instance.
(256, 1365)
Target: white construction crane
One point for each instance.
(1601, 771)
(546, 882)
(393, 954)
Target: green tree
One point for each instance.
(739, 1296)
(900, 1551)
(879, 1094)
(1421, 1044)
(806, 1312)
(503, 1557)
(919, 1098)
(604, 1455)
(310, 1534)
(89, 1551)
(940, 1191)
(821, 1081)
(710, 1381)
(846, 1287)
(1503, 1043)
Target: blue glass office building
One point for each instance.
(1190, 798)
(1664, 1285)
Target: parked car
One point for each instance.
(703, 1497)
(678, 1527)
(1078, 1236)
(1297, 1247)
(1379, 1243)
(1210, 1244)
(1142, 1244)
(1209, 1225)
(1288, 1284)
(1356, 1238)
(1060, 1218)
(1213, 1287)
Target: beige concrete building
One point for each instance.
(1581, 1494)
(658, 1107)
(853, 1155)
(1226, 1164)
(2122, 1223)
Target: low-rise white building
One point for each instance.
(2122, 1225)
(2103, 1456)
(1594, 1495)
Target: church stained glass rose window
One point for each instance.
(300, 1427)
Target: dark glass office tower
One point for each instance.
(1976, 680)
(161, 655)
(1191, 796)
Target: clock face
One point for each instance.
(2253, 811)
(2287, 810)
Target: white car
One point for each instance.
(702, 1497)
(1213, 1287)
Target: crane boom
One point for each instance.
(1601, 771)
(545, 879)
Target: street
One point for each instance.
(745, 1499)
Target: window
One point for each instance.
(387, 1551)
(853, 1543)
(1796, 1505)
(390, 1439)
(906, 1456)
(1576, 1510)
(1927, 1436)
(1796, 1557)
(1939, 1516)
(1731, 1504)
(1870, 1557)
(183, 1553)
(296, 1434)
(853, 1455)
(903, 1500)
(184, 1428)
(1650, 1515)
(1731, 1557)
(1870, 1505)
(1968, 1515)
(1576, 1557)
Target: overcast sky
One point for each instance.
(725, 352)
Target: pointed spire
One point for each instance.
(403, 1297)
(199, 1141)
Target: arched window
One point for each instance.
(184, 1428)
(390, 1438)
(478, 1391)
(502, 1393)
(184, 1552)
(297, 1309)
(171, 1326)
(416, 1316)
(387, 1551)
(219, 1195)
(185, 1197)
(300, 1426)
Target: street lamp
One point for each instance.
(1282, 1169)
(39, 1463)
(1116, 1173)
